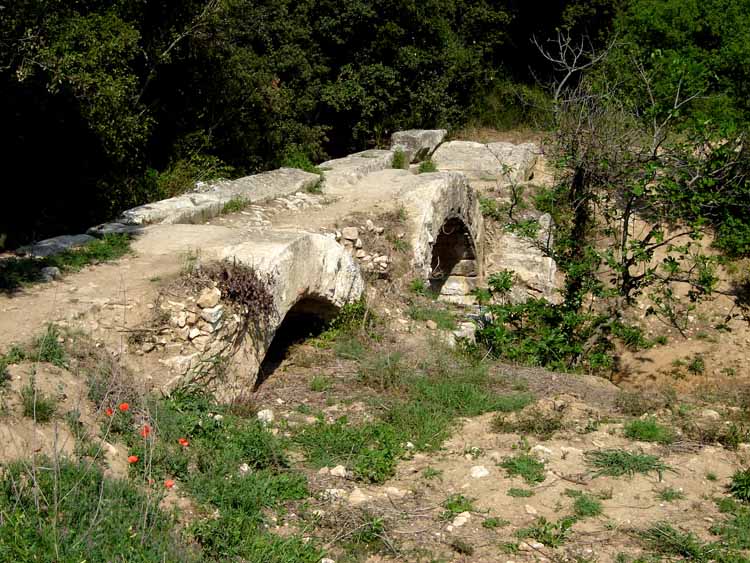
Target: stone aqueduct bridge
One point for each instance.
(314, 273)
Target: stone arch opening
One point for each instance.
(307, 318)
(453, 268)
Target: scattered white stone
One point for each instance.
(369, 225)
(394, 492)
(339, 471)
(357, 497)
(530, 546)
(212, 314)
(541, 452)
(334, 494)
(194, 333)
(327, 560)
(265, 416)
(358, 243)
(530, 510)
(710, 414)
(209, 297)
(324, 471)
(432, 325)
(51, 273)
(148, 347)
(360, 254)
(409, 446)
(244, 468)
(479, 471)
(461, 519)
(181, 319)
(350, 233)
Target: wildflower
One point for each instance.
(169, 483)
(183, 442)
(146, 431)
(133, 459)
(109, 411)
(124, 407)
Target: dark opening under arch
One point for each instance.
(308, 317)
(452, 254)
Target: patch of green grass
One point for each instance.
(432, 473)
(648, 430)
(36, 405)
(525, 466)
(419, 287)
(541, 424)
(320, 383)
(210, 468)
(399, 160)
(14, 355)
(711, 476)
(739, 486)
(456, 504)
(74, 513)
(493, 523)
(382, 371)
(668, 494)
(585, 505)
(48, 348)
(667, 540)
(349, 347)
(735, 530)
(551, 534)
(697, 365)
(520, 493)
(618, 462)
(234, 205)
(371, 449)
(444, 319)
(427, 166)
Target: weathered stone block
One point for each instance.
(417, 144)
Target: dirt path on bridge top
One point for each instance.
(106, 298)
(110, 296)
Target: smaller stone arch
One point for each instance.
(447, 233)
(314, 277)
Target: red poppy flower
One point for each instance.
(109, 411)
(133, 459)
(124, 407)
(146, 431)
(169, 483)
(183, 442)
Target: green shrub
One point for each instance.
(585, 505)
(399, 159)
(62, 504)
(520, 493)
(668, 494)
(525, 466)
(739, 487)
(36, 405)
(542, 424)
(456, 504)
(616, 463)
(648, 430)
(427, 166)
(551, 534)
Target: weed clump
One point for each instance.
(739, 487)
(36, 405)
(616, 463)
(525, 466)
(648, 430)
(551, 534)
(540, 423)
